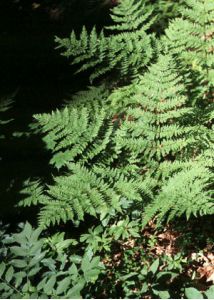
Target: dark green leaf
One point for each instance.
(36, 259)
(2, 268)
(27, 230)
(9, 274)
(125, 277)
(49, 285)
(19, 278)
(74, 292)
(63, 285)
(76, 259)
(18, 263)
(73, 270)
(91, 275)
(41, 284)
(34, 271)
(18, 251)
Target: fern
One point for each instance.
(92, 98)
(187, 192)
(190, 39)
(82, 191)
(128, 50)
(155, 109)
(98, 175)
(141, 141)
(72, 132)
(165, 10)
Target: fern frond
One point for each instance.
(153, 125)
(93, 98)
(73, 132)
(128, 50)
(190, 40)
(128, 16)
(186, 193)
(82, 192)
(33, 192)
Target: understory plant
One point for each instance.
(131, 154)
(36, 267)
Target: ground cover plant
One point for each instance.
(128, 209)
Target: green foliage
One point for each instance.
(96, 240)
(110, 159)
(29, 270)
(166, 10)
(125, 229)
(97, 178)
(190, 39)
(140, 276)
(125, 46)
(188, 192)
(93, 98)
(193, 293)
(128, 156)
(155, 128)
(80, 192)
(58, 243)
(74, 132)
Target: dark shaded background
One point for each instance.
(30, 65)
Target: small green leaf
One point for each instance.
(76, 259)
(2, 268)
(85, 265)
(27, 230)
(164, 294)
(34, 271)
(34, 296)
(9, 274)
(210, 292)
(192, 293)
(73, 270)
(26, 287)
(63, 285)
(41, 285)
(154, 267)
(125, 277)
(171, 275)
(145, 288)
(74, 292)
(35, 235)
(18, 263)
(118, 233)
(19, 278)
(37, 259)
(18, 251)
(37, 246)
(49, 285)
(91, 275)
(50, 263)
(64, 245)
